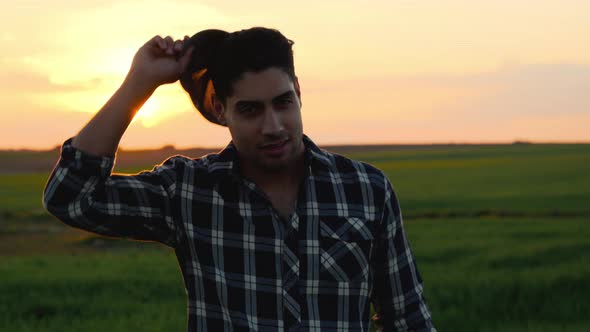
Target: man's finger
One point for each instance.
(169, 41)
(158, 42)
(178, 46)
(186, 58)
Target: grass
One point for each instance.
(107, 291)
(513, 179)
(499, 274)
(22, 193)
(436, 181)
(500, 234)
(486, 274)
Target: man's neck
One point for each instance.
(269, 179)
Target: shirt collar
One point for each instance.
(316, 157)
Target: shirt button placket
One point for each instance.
(291, 298)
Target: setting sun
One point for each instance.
(148, 114)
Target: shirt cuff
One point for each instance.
(84, 162)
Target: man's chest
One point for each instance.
(246, 233)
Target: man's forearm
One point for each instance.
(102, 134)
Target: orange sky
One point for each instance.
(371, 71)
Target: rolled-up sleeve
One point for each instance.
(83, 192)
(398, 291)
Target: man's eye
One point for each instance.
(285, 101)
(246, 109)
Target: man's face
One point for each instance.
(264, 118)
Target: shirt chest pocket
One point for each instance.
(345, 245)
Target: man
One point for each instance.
(272, 233)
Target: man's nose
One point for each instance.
(272, 122)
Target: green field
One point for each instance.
(500, 234)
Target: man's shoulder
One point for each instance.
(202, 164)
(363, 185)
(343, 165)
(339, 163)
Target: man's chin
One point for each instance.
(274, 164)
(278, 162)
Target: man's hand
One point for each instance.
(160, 61)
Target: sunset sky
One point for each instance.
(426, 71)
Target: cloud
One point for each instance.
(94, 38)
(27, 82)
(539, 90)
(513, 102)
(515, 89)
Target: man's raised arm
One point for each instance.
(157, 62)
(82, 192)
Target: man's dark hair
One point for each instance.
(220, 58)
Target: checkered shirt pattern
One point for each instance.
(245, 268)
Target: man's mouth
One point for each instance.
(274, 148)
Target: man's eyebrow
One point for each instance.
(285, 94)
(242, 103)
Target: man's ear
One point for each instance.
(219, 110)
(297, 89)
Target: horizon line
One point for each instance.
(173, 147)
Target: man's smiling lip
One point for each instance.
(275, 144)
(275, 149)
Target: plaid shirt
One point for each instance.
(244, 267)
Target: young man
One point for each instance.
(272, 233)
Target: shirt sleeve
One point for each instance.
(397, 296)
(83, 193)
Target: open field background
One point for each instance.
(500, 233)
